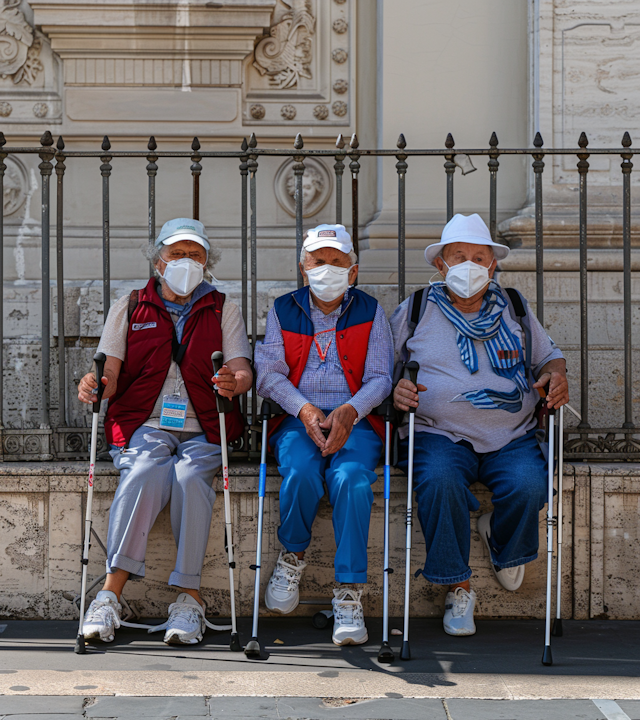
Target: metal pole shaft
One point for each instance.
(227, 517)
(409, 523)
(62, 386)
(560, 513)
(550, 468)
(261, 494)
(387, 496)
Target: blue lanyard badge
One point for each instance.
(173, 414)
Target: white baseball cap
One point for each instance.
(468, 229)
(332, 236)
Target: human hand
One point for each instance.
(405, 395)
(340, 424)
(311, 417)
(558, 391)
(88, 388)
(225, 382)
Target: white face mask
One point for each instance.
(183, 276)
(328, 282)
(467, 278)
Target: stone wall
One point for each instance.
(41, 517)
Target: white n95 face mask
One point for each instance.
(328, 282)
(467, 278)
(183, 276)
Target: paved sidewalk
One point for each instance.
(495, 675)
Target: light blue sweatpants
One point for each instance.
(348, 476)
(154, 469)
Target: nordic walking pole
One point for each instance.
(386, 654)
(253, 649)
(225, 405)
(547, 658)
(556, 631)
(405, 653)
(99, 360)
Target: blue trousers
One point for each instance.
(157, 468)
(348, 476)
(443, 472)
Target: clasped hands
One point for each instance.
(339, 423)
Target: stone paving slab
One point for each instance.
(523, 710)
(155, 707)
(13, 704)
(631, 707)
(43, 716)
(383, 709)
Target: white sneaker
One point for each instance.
(103, 617)
(186, 623)
(282, 595)
(348, 617)
(458, 612)
(510, 578)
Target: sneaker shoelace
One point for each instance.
(102, 611)
(182, 615)
(348, 612)
(286, 577)
(460, 602)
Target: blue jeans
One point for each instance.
(348, 476)
(443, 473)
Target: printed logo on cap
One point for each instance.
(186, 227)
(327, 233)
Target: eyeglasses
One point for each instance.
(198, 255)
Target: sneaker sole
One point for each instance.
(97, 636)
(177, 640)
(351, 641)
(458, 633)
(278, 611)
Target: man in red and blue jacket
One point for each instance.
(327, 360)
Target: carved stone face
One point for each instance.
(312, 184)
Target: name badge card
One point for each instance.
(174, 412)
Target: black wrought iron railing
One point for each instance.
(619, 442)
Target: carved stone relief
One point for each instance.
(316, 187)
(15, 185)
(285, 55)
(19, 46)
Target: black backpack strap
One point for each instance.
(417, 305)
(133, 304)
(518, 310)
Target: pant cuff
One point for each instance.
(350, 578)
(515, 563)
(293, 547)
(190, 582)
(135, 568)
(450, 580)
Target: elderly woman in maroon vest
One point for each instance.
(162, 423)
(326, 359)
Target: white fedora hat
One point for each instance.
(468, 229)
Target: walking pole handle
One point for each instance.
(412, 368)
(99, 360)
(224, 404)
(543, 392)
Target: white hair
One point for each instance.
(352, 257)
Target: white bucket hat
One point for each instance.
(333, 236)
(468, 229)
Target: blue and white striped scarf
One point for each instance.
(503, 347)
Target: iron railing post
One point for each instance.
(583, 169)
(62, 384)
(401, 169)
(253, 168)
(449, 168)
(244, 174)
(105, 170)
(627, 166)
(339, 170)
(298, 171)
(196, 169)
(354, 166)
(152, 171)
(538, 167)
(46, 155)
(493, 184)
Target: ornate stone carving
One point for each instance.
(285, 55)
(40, 109)
(316, 187)
(288, 112)
(320, 112)
(257, 112)
(340, 86)
(340, 2)
(340, 55)
(16, 184)
(19, 47)
(340, 26)
(339, 108)
(5, 109)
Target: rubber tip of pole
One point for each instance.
(386, 654)
(253, 650)
(405, 652)
(547, 659)
(320, 621)
(80, 648)
(556, 630)
(234, 645)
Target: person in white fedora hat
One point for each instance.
(326, 359)
(482, 355)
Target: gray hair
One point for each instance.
(352, 257)
(153, 254)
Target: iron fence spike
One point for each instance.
(244, 145)
(355, 144)
(152, 144)
(493, 141)
(583, 141)
(626, 140)
(60, 143)
(402, 143)
(537, 140)
(46, 139)
(195, 145)
(106, 143)
(3, 140)
(253, 141)
(340, 142)
(298, 143)
(449, 142)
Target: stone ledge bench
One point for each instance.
(42, 514)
